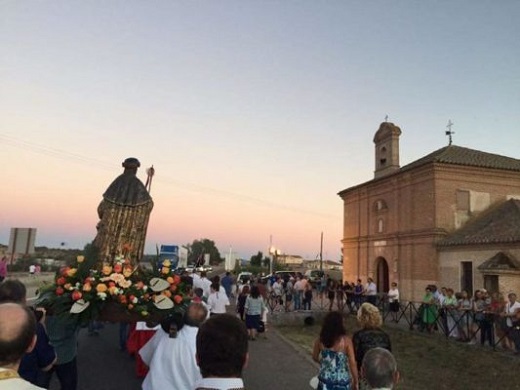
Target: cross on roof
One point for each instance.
(449, 132)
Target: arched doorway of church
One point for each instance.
(382, 279)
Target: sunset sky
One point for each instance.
(255, 114)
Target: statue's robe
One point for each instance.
(124, 213)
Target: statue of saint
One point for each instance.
(124, 213)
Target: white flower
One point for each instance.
(102, 295)
(145, 288)
(125, 283)
(135, 300)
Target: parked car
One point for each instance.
(314, 276)
(285, 275)
(244, 277)
(206, 268)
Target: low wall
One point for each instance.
(294, 318)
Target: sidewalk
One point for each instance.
(276, 363)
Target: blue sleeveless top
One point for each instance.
(334, 373)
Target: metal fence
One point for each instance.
(465, 325)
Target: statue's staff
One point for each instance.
(150, 172)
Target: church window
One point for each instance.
(462, 200)
(380, 225)
(380, 205)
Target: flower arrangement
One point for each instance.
(133, 292)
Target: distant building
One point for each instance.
(21, 242)
(419, 224)
(326, 264)
(289, 260)
(231, 260)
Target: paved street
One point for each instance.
(274, 364)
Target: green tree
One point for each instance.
(256, 260)
(199, 248)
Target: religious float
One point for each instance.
(108, 283)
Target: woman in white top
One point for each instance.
(393, 299)
(217, 301)
(511, 313)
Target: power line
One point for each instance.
(187, 186)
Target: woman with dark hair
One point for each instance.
(335, 353)
(253, 309)
(241, 301)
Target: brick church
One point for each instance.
(450, 218)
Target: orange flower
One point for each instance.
(80, 258)
(107, 270)
(87, 287)
(165, 270)
(139, 285)
(127, 272)
(169, 279)
(71, 272)
(101, 287)
(130, 307)
(67, 286)
(113, 290)
(167, 293)
(177, 299)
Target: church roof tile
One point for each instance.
(498, 225)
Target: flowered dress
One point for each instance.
(334, 373)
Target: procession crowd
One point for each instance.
(173, 355)
(206, 348)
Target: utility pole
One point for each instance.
(321, 252)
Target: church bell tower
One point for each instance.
(386, 141)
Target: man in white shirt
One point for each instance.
(221, 353)
(371, 291)
(173, 364)
(17, 336)
(217, 300)
(277, 287)
(205, 284)
(298, 293)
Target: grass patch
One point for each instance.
(431, 361)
